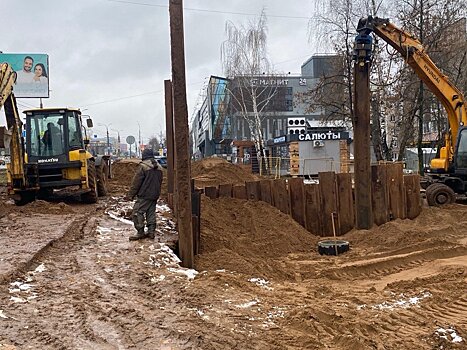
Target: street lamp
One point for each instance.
(108, 138)
(118, 140)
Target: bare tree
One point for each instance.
(246, 64)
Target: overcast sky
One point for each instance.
(110, 58)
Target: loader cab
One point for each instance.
(52, 133)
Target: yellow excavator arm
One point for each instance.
(415, 55)
(11, 135)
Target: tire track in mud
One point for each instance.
(87, 305)
(366, 269)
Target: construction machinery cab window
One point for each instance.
(47, 135)
(74, 134)
(462, 150)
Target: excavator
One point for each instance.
(447, 174)
(48, 152)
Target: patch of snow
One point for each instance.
(260, 282)
(18, 300)
(40, 268)
(247, 305)
(2, 315)
(189, 273)
(404, 302)
(451, 332)
(118, 218)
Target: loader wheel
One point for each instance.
(91, 196)
(439, 194)
(102, 179)
(24, 198)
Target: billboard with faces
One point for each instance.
(32, 73)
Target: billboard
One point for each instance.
(32, 73)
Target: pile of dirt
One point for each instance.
(123, 171)
(44, 207)
(249, 237)
(215, 171)
(122, 175)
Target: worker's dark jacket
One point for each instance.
(147, 180)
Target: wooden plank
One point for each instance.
(297, 200)
(327, 186)
(313, 212)
(380, 193)
(361, 145)
(345, 204)
(181, 135)
(397, 206)
(281, 196)
(196, 233)
(253, 190)
(169, 132)
(412, 191)
(211, 192)
(239, 192)
(266, 192)
(225, 190)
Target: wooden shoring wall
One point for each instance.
(330, 205)
(280, 195)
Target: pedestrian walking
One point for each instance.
(146, 187)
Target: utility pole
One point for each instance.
(108, 137)
(181, 135)
(139, 139)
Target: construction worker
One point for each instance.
(146, 187)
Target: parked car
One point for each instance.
(162, 160)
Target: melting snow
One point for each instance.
(260, 282)
(248, 304)
(403, 302)
(2, 315)
(451, 332)
(189, 273)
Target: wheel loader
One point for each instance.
(49, 151)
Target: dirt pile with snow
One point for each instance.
(215, 171)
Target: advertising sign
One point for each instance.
(32, 73)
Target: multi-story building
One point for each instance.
(227, 110)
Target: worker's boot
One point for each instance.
(139, 235)
(151, 232)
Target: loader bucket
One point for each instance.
(5, 137)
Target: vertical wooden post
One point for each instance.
(297, 200)
(266, 193)
(327, 187)
(313, 213)
(395, 178)
(361, 124)
(380, 198)
(181, 134)
(253, 190)
(345, 205)
(412, 190)
(225, 190)
(169, 136)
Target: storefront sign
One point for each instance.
(269, 82)
(329, 135)
(280, 139)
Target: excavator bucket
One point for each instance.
(5, 137)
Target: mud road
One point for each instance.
(70, 279)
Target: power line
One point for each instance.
(210, 11)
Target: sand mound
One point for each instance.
(249, 237)
(124, 170)
(43, 207)
(215, 171)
